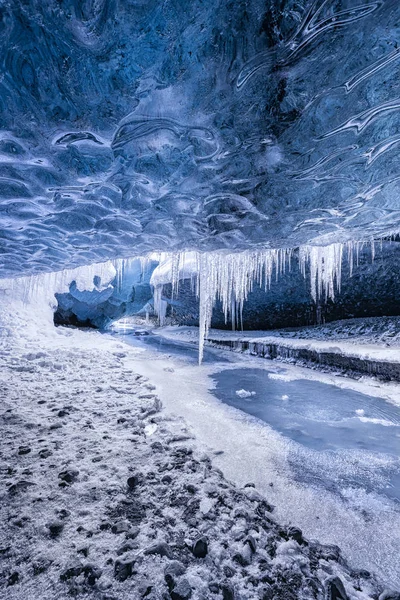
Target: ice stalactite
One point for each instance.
(230, 277)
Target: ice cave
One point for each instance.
(200, 299)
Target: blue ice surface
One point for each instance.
(325, 419)
(129, 127)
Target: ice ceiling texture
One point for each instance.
(140, 125)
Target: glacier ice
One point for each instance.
(134, 127)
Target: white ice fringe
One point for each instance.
(229, 277)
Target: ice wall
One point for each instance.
(134, 126)
(27, 304)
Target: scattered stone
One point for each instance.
(266, 592)
(229, 571)
(251, 542)
(228, 592)
(296, 534)
(123, 569)
(20, 486)
(157, 447)
(133, 481)
(24, 450)
(69, 476)
(200, 547)
(13, 578)
(45, 453)
(182, 591)
(335, 589)
(162, 549)
(55, 529)
(175, 567)
(62, 413)
(120, 527)
(41, 565)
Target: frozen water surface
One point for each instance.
(359, 434)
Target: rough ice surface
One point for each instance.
(128, 127)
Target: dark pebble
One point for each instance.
(45, 453)
(296, 534)
(123, 569)
(228, 592)
(133, 481)
(55, 529)
(69, 476)
(157, 447)
(200, 547)
(389, 595)
(182, 591)
(13, 579)
(62, 413)
(175, 567)
(335, 589)
(162, 549)
(24, 450)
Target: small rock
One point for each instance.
(182, 591)
(266, 592)
(45, 453)
(175, 567)
(228, 592)
(251, 542)
(70, 572)
(229, 571)
(213, 587)
(133, 481)
(335, 589)
(128, 547)
(62, 413)
(200, 547)
(157, 447)
(55, 528)
(24, 450)
(92, 574)
(162, 549)
(123, 569)
(13, 578)
(120, 527)
(68, 476)
(296, 534)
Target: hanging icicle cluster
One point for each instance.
(231, 277)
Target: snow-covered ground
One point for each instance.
(105, 494)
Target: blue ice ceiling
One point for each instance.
(132, 126)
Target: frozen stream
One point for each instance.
(326, 455)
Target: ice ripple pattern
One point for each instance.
(140, 126)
